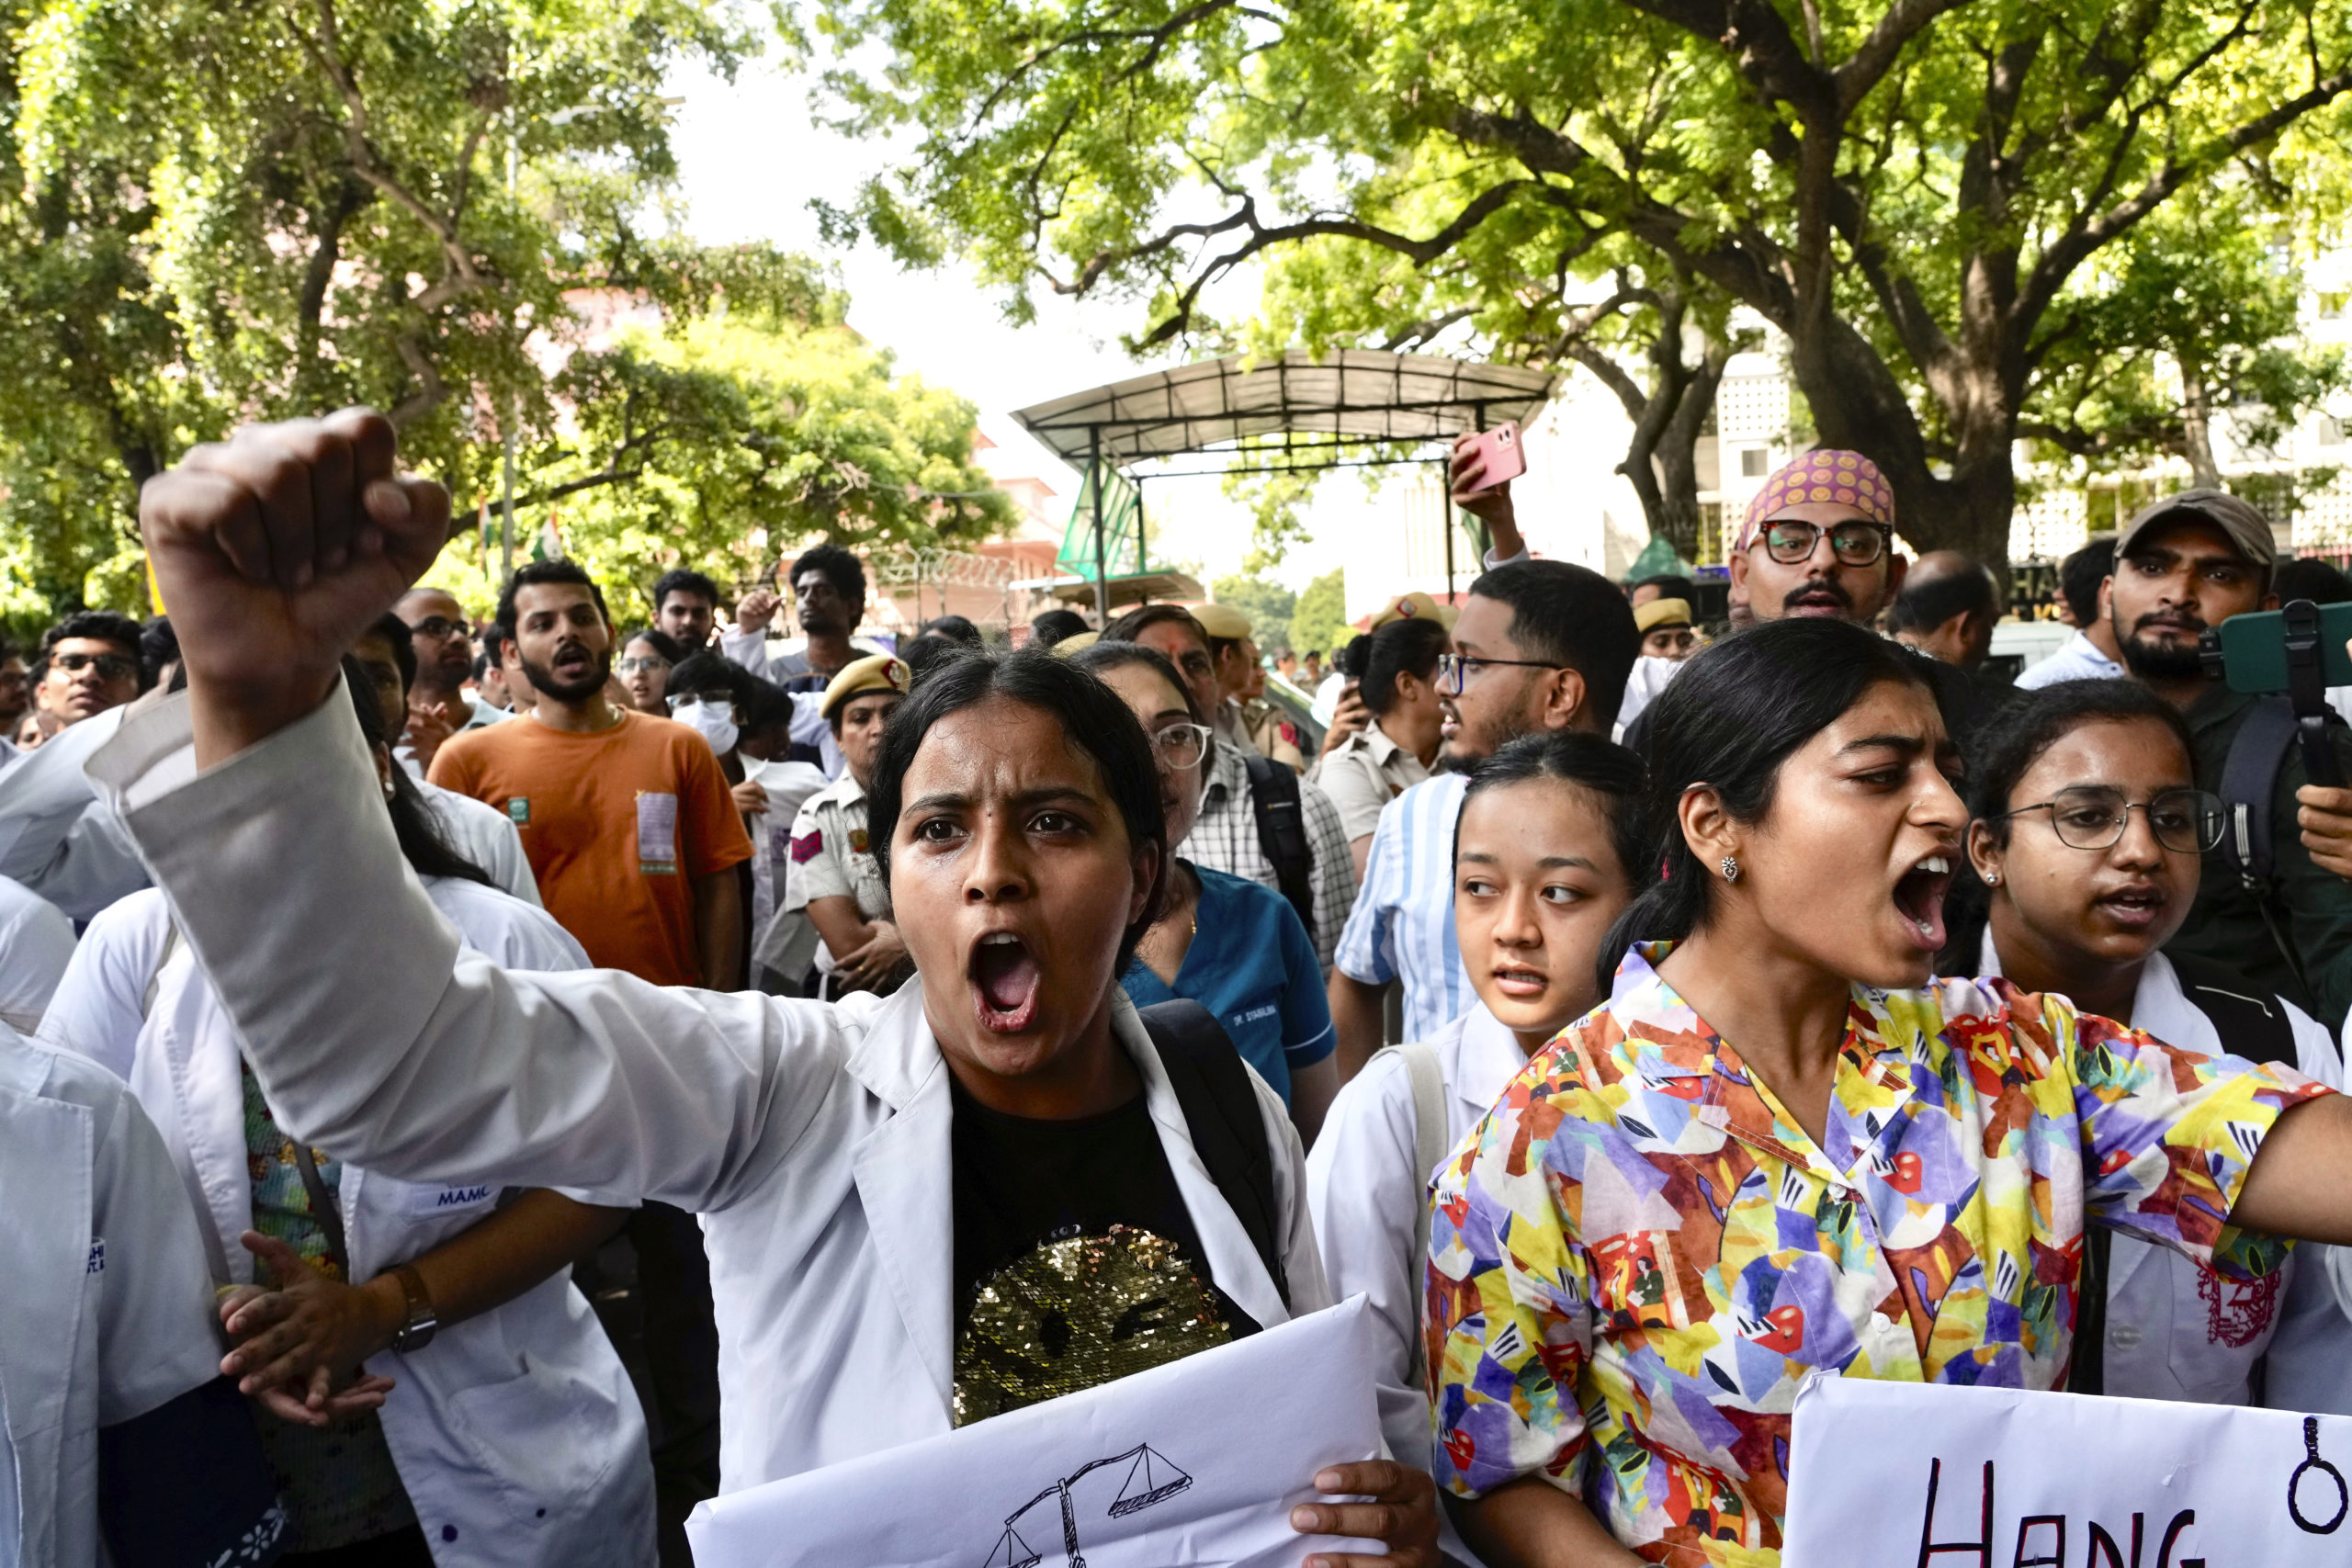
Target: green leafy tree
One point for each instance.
(1269, 605)
(1319, 622)
(724, 443)
(1916, 192)
(2199, 319)
(212, 212)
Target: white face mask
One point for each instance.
(717, 722)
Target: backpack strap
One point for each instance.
(1221, 1113)
(2249, 779)
(1282, 833)
(1430, 1145)
(2251, 1025)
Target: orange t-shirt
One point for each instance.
(617, 825)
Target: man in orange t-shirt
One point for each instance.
(635, 842)
(626, 818)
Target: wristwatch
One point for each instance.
(422, 1322)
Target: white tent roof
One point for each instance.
(1351, 397)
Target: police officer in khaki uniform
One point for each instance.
(1244, 720)
(832, 874)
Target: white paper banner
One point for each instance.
(1939, 1477)
(1196, 1462)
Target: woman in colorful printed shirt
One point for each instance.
(2086, 849)
(1771, 1153)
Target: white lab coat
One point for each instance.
(813, 1138)
(36, 944)
(2175, 1331)
(109, 1312)
(515, 1433)
(1365, 1194)
(56, 835)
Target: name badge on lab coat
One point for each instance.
(422, 1200)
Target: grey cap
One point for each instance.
(2248, 528)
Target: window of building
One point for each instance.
(1751, 462)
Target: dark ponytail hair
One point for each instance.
(422, 845)
(1408, 647)
(1590, 762)
(1728, 722)
(2011, 742)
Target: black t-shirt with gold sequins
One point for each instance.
(1076, 1261)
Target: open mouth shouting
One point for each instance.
(1920, 897)
(1004, 975)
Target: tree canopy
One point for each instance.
(214, 212)
(1925, 197)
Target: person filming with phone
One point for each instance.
(2183, 564)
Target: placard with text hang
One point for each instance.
(1932, 1476)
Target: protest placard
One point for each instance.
(1198, 1462)
(1933, 1476)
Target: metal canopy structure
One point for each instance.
(1327, 411)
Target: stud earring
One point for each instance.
(1731, 868)
(1992, 879)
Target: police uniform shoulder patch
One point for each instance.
(806, 846)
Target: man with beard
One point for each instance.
(1541, 645)
(830, 584)
(626, 817)
(635, 840)
(2185, 563)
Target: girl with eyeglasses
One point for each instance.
(2085, 847)
(646, 658)
(1232, 945)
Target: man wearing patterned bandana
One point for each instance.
(1841, 505)
(1819, 540)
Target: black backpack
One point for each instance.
(1282, 833)
(1221, 1113)
(2251, 1026)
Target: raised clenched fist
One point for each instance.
(272, 552)
(756, 609)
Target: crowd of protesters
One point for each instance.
(511, 1081)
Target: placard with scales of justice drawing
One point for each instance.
(1196, 1462)
(1932, 1476)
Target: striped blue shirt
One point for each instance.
(1403, 921)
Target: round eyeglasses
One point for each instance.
(2188, 821)
(1854, 542)
(1181, 745)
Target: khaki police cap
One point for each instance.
(1222, 621)
(1661, 612)
(877, 673)
(1074, 642)
(1416, 605)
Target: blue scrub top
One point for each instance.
(1251, 965)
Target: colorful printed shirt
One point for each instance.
(1638, 1255)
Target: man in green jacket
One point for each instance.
(2183, 563)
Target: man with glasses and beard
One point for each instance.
(635, 840)
(2185, 563)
